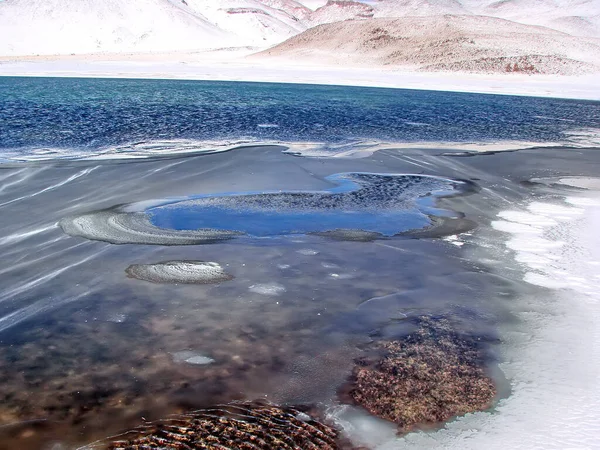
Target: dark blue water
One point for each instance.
(87, 114)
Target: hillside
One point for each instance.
(531, 36)
(253, 22)
(62, 27)
(53, 26)
(443, 43)
(336, 10)
(577, 17)
(30, 27)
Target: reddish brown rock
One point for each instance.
(239, 426)
(428, 377)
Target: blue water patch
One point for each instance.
(381, 203)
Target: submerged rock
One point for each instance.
(431, 376)
(234, 426)
(188, 272)
(191, 357)
(272, 289)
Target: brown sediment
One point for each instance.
(429, 377)
(236, 425)
(76, 381)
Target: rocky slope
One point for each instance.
(577, 17)
(440, 43)
(336, 10)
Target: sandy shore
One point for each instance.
(231, 65)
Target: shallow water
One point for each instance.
(315, 271)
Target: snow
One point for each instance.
(46, 27)
(62, 27)
(252, 22)
(52, 26)
(314, 4)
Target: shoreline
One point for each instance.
(232, 66)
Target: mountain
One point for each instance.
(443, 43)
(337, 10)
(29, 27)
(577, 17)
(58, 26)
(254, 22)
(402, 8)
(535, 36)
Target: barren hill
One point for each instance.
(46, 27)
(337, 10)
(440, 43)
(436, 35)
(577, 17)
(29, 27)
